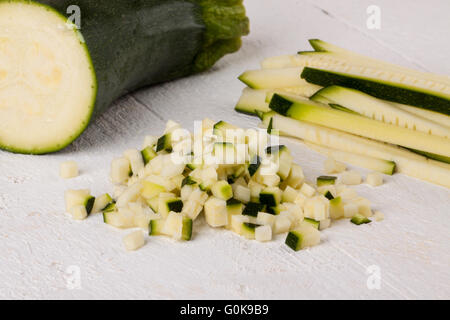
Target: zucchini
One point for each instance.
(70, 75)
(305, 110)
(283, 159)
(252, 208)
(251, 101)
(378, 86)
(222, 190)
(148, 154)
(379, 165)
(359, 219)
(326, 180)
(327, 49)
(156, 227)
(440, 118)
(273, 78)
(302, 237)
(368, 106)
(406, 162)
(270, 197)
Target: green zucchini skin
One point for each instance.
(379, 89)
(138, 43)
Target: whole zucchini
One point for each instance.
(54, 77)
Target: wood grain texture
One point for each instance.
(38, 242)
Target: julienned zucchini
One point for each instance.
(406, 162)
(387, 89)
(122, 45)
(355, 101)
(305, 110)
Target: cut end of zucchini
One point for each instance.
(44, 109)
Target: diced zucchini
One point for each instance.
(78, 212)
(307, 190)
(120, 170)
(242, 194)
(186, 232)
(284, 160)
(289, 194)
(270, 197)
(302, 237)
(351, 178)
(224, 131)
(156, 227)
(248, 230)
(337, 208)
(68, 170)
(317, 208)
(74, 198)
(148, 154)
(252, 209)
(107, 216)
(333, 166)
(350, 210)
(263, 233)
(265, 218)
(282, 224)
(134, 241)
(188, 181)
(169, 203)
(136, 161)
(130, 194)
(359, 219)
(276, 210)
(222, 190)
(216, 212)
(374, 179)
(153, 203)
(326, 180)
(164, 143)
(254, 165)
(101, 203)
(110, 207)
(312, 222)
(151, 190)
(296, 176)
(329, 195)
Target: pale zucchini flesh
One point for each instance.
(358, 125)
(252, 100)
(406, 162)
(383, 86)
(55, 98)
(379, 165)
(377, 109)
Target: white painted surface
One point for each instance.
(39, 243)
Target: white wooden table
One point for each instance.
(42, 250)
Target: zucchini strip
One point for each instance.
(408, 163)
(309, 111)
(440, 118)
(376, 109)
(375, 164)
(252, 101)
(383, 86)
(325, 47)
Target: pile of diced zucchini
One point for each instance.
(252, 188)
